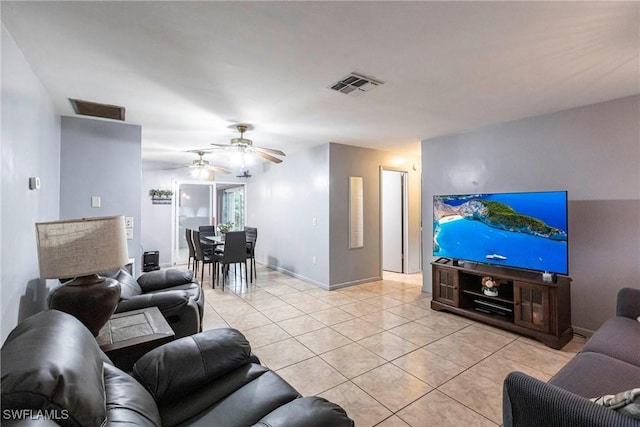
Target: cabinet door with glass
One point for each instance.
(531, 305)
(445, 285)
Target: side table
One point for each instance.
(129, 335)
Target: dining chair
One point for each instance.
(207, 230)
(201, 257)
(252, 237)
(235, 252)
(192, 251)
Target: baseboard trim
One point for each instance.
(354, 283)
(320, 284)
(299, 276)
(582, 331)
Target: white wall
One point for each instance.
(155, 226)
(594, 153)
(30, 147)
(101, 158)
(282, 201)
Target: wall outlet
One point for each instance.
(129, 233)
(313, 260)
(314, 221)
(96, 201)
(128, 221)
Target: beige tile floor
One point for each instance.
(378, 349)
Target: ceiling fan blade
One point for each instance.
(201, 150)
(219, 146)
(269, 151)
(268, 157)
(177, 167)
(220, 169)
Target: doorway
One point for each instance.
(204, 203)
(194, 207)
(230, 200)
(393, 202)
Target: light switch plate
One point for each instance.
(128, 221)
(96, 201)
(34, 183)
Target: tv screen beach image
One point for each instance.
(522, 230)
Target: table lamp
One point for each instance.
(79, 249)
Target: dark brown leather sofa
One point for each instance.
(53, 372)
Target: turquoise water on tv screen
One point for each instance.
(473, 240)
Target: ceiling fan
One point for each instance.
(245, 146)
(201, 168)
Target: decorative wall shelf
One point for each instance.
(161, 197)
(161, 200)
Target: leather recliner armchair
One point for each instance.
(174, 291)
(54, 372)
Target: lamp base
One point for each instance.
(91, 299)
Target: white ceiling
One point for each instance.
(188, 71)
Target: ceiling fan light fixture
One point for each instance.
(241, 141)
(200, 173)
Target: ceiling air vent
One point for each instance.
(86, 108)
(354, 84)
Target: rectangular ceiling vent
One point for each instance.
(354, 84)
(86, 108)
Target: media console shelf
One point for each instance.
(525, 303)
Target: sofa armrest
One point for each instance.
(628, 304)
(308, 412)
(529, 402)
(169, 302)
(178, 368)
(162, 279)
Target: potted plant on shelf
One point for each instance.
(160, 196)
(155, 193)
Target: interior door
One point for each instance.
(393, 220)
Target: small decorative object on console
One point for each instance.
(490, 286)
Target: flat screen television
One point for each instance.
(519, 230)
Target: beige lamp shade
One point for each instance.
(81, 247)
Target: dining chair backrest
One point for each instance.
(235, 247)
(200, 256)
(207, 230)
(252, 234)
(189, 238)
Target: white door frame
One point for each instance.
(405, 215)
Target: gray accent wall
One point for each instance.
(359, 265)
(101, 158)
(593, 152)
(30, 148)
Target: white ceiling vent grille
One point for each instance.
(354, 84)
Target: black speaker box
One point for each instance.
(150, 261)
